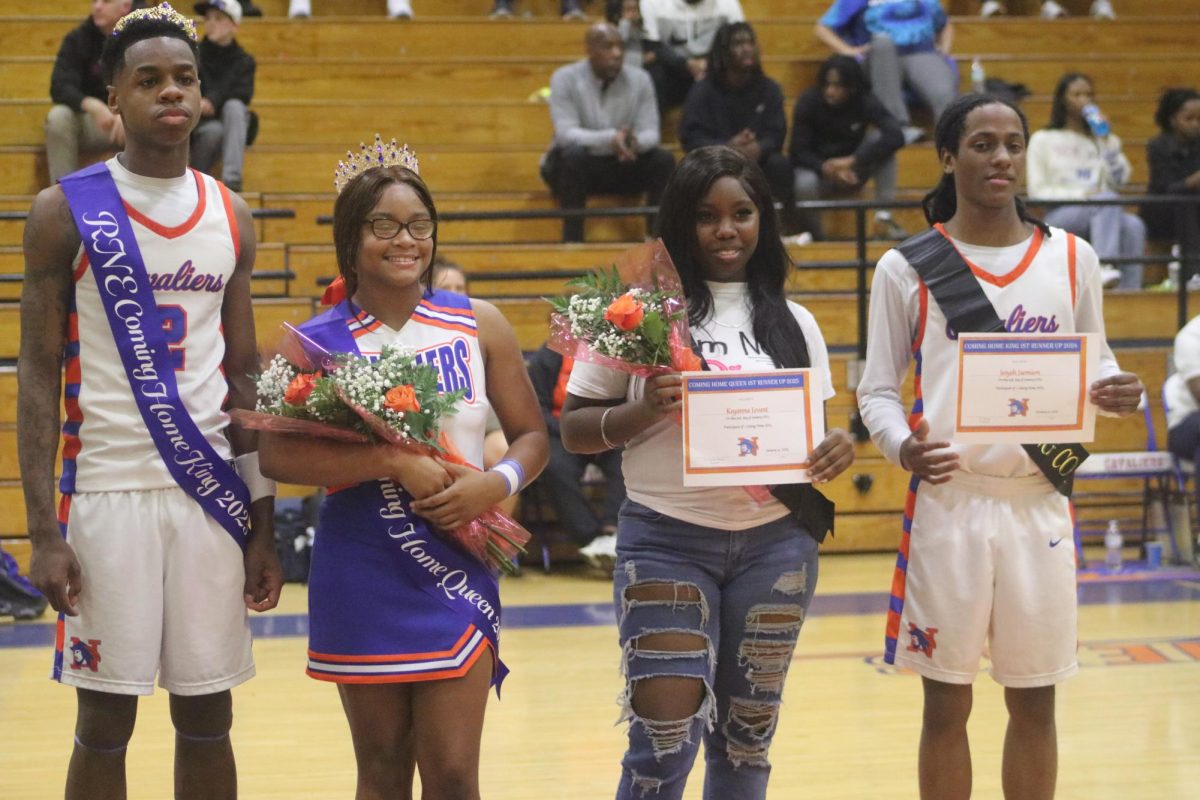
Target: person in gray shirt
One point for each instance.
(606, 130)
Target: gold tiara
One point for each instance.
(163, 13)
(371, 156)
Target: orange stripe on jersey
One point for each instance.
(441, 654)
(64, 509)
(462, 312)
(457, 672)
(1071, 265)
(922, 315)
(1010, 276)
(227, 201)
(449, 326)
(73, 326)
(178, 230)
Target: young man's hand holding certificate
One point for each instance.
(745, 428)
(1026, 388)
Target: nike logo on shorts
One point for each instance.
(1054, 542)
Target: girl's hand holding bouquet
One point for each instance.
(392, 401)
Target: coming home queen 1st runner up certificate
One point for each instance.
(747, 428)
(1026, 388)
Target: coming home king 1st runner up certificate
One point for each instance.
(746, 428)
(1026, 388)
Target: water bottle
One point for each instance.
(1113, 543)
(978, 77)
(1095, 120)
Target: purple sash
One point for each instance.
(456, 580)
(128, 301)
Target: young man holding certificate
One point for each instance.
(137, 285)
(987, 555)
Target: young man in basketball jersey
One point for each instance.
(987, 557)
(137, 285)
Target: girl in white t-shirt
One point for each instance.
(711, 586)
(1068, 160)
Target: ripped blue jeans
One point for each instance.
(739, 598)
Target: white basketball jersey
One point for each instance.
(443, 332)
(1033, 291)
(187, 234)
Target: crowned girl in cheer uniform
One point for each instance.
(404, 622)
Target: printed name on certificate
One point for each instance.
(745, 428)
(1025, 388)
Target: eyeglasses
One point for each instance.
(387, 228)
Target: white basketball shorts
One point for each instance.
(990, 572)
(162, 593)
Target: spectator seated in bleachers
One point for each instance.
(81, 121)
(1100, 9)
(396, 9)
(1174, 158)
(626, 15)
(841, 137)
(678, 36)
(227, 86)
(906, 44)
(1074, 159)
(563, 476)
(735, 104)
(1181, 394)
(606, 130)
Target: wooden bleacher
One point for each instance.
(457, 87)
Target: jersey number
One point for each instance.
(174, 322)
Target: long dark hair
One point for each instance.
(721, 54)
(1169, 104)
(354, 205)
(775, 328)
(1058, 109)
(942, 203)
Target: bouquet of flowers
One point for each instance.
(394, 399)
(632, 317)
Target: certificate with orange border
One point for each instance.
(745, 428)
(1025, 388)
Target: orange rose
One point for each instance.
(401, 399)
(625, 312)
(300, 388)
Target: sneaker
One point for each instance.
(992, 8)
(1052, 10)
(1102, 9)
(572, 11)
(399, 9)
(601, 552)
(799, 240)
(299, 9)
(1193, 283)
(1110, 276)
(18, 598)
(888, 228)
(913, 134)
(501, 10)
